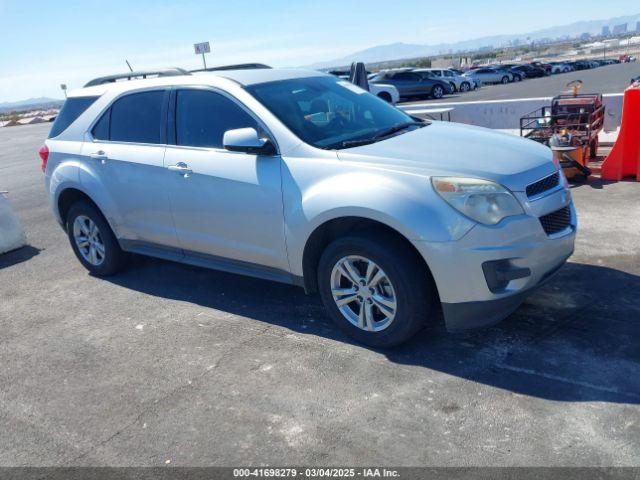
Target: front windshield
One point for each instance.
(329, 113)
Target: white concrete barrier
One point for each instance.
(11, 234)
(506, 114)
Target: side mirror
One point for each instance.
(247, 140)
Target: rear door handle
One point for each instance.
(182, 168)
(99, 155)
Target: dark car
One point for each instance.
(411, 84)
(546, 67)
(530, 71)
(582, 65)
(516, 76)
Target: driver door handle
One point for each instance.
(181, 167)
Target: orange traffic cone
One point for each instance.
(624, 159)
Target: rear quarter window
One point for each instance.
(70, 111)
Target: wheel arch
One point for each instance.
(338, 227)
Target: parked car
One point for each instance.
(490, 75)
(546, 67)
(411, 84)
(518, 75)
(300, 177)
(388, 93)
(561, 68)
(458, 82)
(531, 71)
(582, 65)
(476, 81)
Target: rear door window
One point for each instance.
(70, 111)
(137, 118)
(202, 117)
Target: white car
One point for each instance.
(458, 82)
(561, 68)
(388, 93)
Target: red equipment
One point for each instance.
(579, 117)
(624, 159)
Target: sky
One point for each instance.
(46, 43)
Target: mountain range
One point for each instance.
(399, 51)
(30, 104)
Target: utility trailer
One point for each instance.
(574, 122)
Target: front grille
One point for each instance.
(556, 221)
(541, 186)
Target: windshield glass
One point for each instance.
(330, 113)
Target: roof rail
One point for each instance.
(168, 72)
(240, 66)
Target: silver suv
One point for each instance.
(300, 177)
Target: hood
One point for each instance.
(455, 149)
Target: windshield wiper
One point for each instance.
(394, 129)
(350, 143)
(378, 136)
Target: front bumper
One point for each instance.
(468, 296)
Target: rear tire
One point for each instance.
(505, 80)
(465, 87)
(437, 92)
(401, 283)
(386, 97)
(92, 240)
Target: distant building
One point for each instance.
(606, 31)
(446, 63)
(585, 36)
(620, 29)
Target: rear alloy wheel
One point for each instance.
(505, 80)
(437, 91)
(453, 87)
(465, 87)
(92, 240)
(374, 290)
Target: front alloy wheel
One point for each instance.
(363, 293)
(438, 91)
(375, 288)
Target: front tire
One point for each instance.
(375, 291)
(92, 240)
(505, 80)
(465, 87)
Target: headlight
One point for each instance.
(481, 200)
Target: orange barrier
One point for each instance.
(624, 159)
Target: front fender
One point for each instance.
(403, 202)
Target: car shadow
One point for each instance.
(19, 255)
(575, 339)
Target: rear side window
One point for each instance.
(70, 111)
(203, 116)
(135, 118)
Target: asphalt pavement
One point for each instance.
(167, 362)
